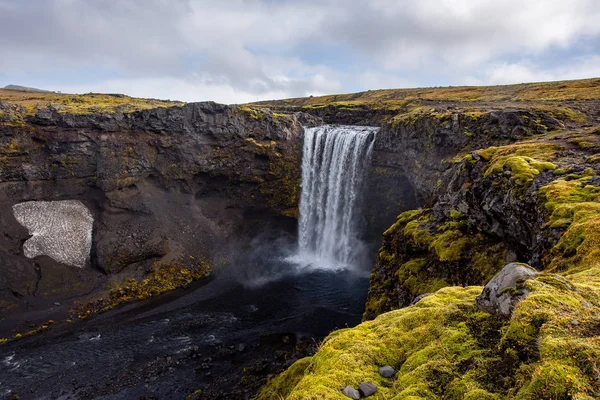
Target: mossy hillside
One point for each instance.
(524, 161)
(283, 384)
(445, 348)
(421, 255)
(573, 207)
(31, 102)
(586, 89)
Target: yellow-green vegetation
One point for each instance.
(396, 99)
(281, 186)
(20, 335)
(421, 255)
(573, 204)
(194, 396)
(252, 113)
(161, 279)
(3, 340)
(524, 160)
(562, 113)
(11, 147)
(81, 103)
(445, 348)
(283, 384)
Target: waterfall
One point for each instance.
(334, 161)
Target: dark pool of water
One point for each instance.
(169, 346)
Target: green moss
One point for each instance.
(474, 115)
(161, 279)
(420, 255)
(252, 113)
(399, 99)
(573, 205)
(90, 103)
(523, 169)
(450, 245)
(560, 171)
(416, 233)
(414, 276)
(457, 215)
(282, 385)
(445, 348)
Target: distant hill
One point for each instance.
(24, 88)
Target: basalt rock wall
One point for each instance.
(167, 185)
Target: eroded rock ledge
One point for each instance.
(163, 186)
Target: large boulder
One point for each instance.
(505, 290)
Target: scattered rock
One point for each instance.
(387, 371)
(366, 389)
(419, 297)
(56, 303)
(349, 391)
(586, 304)
(241, 347)
(504, 291)
(575, 322)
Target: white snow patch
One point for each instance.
(61, 230)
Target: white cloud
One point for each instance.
(526, 71)
(241, 49)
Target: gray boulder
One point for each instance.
(387, 371)
(349, 391)
(367, 388)
(505, 290)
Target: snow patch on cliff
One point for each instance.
(61, 230)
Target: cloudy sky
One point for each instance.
(236, 51)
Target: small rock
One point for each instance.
(56, 303)
(575, 322)
(387, 371)
(241, 347)
(419, 297)
(586, 304)
(504, 291)
(367, 388)
(349, 391)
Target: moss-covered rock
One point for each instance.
(443, 347)
(536, 201)
(421, 254)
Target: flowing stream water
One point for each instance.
(208, 336)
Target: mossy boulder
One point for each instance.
(444, 347)
(505, 290)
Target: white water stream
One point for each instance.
(334, 163)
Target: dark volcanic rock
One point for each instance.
(165, 184)
(387, 371)
(350, 392)
(367, 389)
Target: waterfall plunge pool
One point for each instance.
(224, 337)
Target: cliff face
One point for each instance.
(164, 186)
(496, 185)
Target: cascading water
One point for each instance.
(333, 165)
